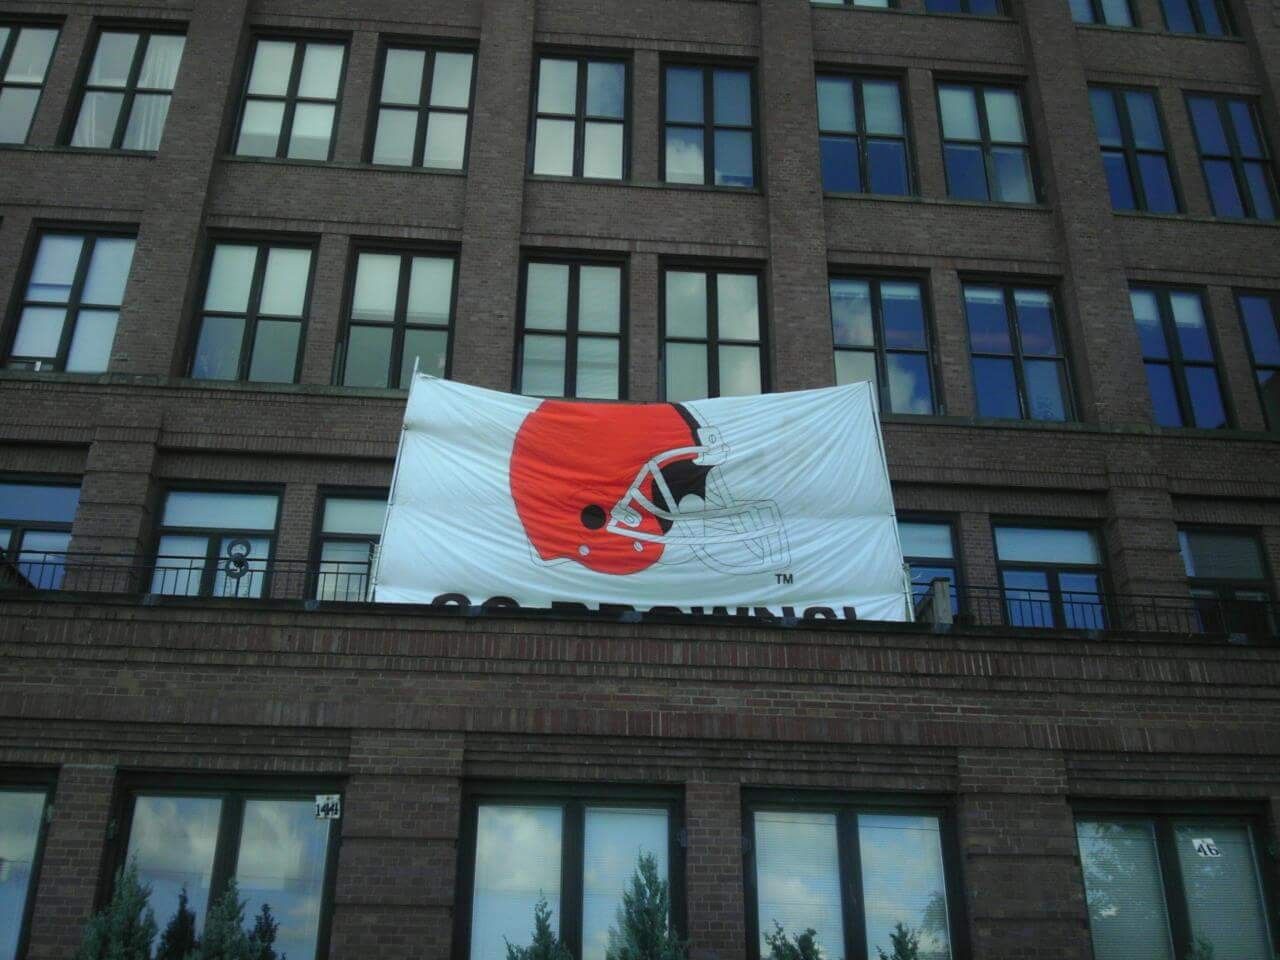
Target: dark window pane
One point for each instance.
(1046, 390)
(218, 349)
(260, 128)
(1207, 408)
(602, 150)
(903, 312)
(146, 122)
(368, 357)
(734, 165)
(1117, 169)
(854, 366)
(944, 6)
(882, 102)
(835, 105)
(686, 372)
(1157, 184)
(910, 389)
(17, 107)
(840, 165)
(1105, 116)
(1223, 190)
(172, 841)
(557, 86)
(903, 882)
(851, 313)
(553, 147)
(283, 848)
(1177, 13)
(312, 131)
(605, 89)
(684, 94)
(451, 79)
(997, 389)
(986, 8)
(1082, 11)
(1146, 314)
(1117, 13)
(684, 160)
(732, 91)
(966, 173)
(887, 160)
(97, 123)
(1027, 598)
(1081, 601)
(1012, 169)
(1246, 129)
(1269, 386)
(598, 367)
(1212, 19)
(402, 76)
(1164, 398)
(1144, 120)
(33, 501)
(1260, 189)
(1189, 321)
(1035, 322)
(1261, 324)
(275, 351)
(988, 322)
(1208, 124)
(393, 142)
(22, 813)
(431, 350)
(446, 141)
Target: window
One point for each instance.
(580, 118)
(864, 138)
(23, 809)
(256, 300)
(881, 335)
(576, 850)
(1019, 369)
(268, 837)
(1260, 313)
(1229, 583)
(1177, 350)
(424, 107)
(1233, 156)
(850, 872)
(68, 312)
(710, 135)
(25, 53)
(401, 313)
(126, 95)
(214, 544)
(291, 100)
(713, 334)
(1050, 577)
(983, 8)
(1197, 16)
(928, 547)
(350, 528)
(985, 145)
(570, 338)
(1170, 887)
(1114, 13)
(1133, 150)
(874, 4)
(35, 530)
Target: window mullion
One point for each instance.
(571, 333)
(1015, 341)
(1171, 881)
(226, 853)
(1176, 364)
(853, 912)
(424, 107)
(73, 300)
(291, 98)
(1130, 146)
(878, 346)
(579, 121)
(251, 314)
(399, 323)
(984, 132)
(571, 884)
(713, 335)
(130, 91)
(709, 128)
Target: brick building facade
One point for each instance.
(1009, 732)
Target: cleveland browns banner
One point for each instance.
(771, 506)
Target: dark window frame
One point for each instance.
(582, 58)
(1235, 156)
(861, 136)
(1273, 297)
(846, 807)
(979, 84)
(11, 548)
(424, 108)
(263, 242)
(1132, 151)
(571, 332)
(574, 798)
(1175, 362)
(91, 233)
(399, 324)
(1224, 14)
(1053, 569)
(233, 791)
(16, 25)
(1100, 17)
(1008, 287)
(32, 780)
(708, 125)
(290, 99)
(712, 342)
(145, 30)
(319, 538)
(952, 522)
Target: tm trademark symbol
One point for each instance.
(784, 578)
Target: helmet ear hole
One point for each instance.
(593, 516)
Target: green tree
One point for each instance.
(546, 945)
(1201, 949)
(179, 937)
(225, 937)
(906, 944)
(124, 929)
(803, 947)
(643, 931)
(263, 935)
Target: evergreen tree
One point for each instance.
(224, 935)
(803, 947)
(263, 935)
(644, 919)
(906, 944)
(1201, 949)
(546, 945)
(179, 937)
(125, 928)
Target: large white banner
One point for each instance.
(774, 505)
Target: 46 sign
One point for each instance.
(1205, 847)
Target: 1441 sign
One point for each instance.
(328, 806)
(1205, 847)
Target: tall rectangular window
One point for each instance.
(850, 874)
(580, 118)
(881, 334)
(710, 125)
(1114, 13)
(291, 99)
(1208, 17)
(980, 8)
(1229, 583)
(71, 303)
(1166, 888)
(25, 53)
(1177, 350)
(1233, 156)
(270, 838)
(23, 809)
(127, 93)
(1019, 367)
(350, 528)
(713, 334)
(424, 108)
(928, 547)
(1050, 577)
(985, 144)
(255, 304)
(1260, 314)
(571, 330)
(214, 543)
(401, 313)
(863, 135)
(578, 851)
(35, 529)
(1134, 155)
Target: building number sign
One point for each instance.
(328, 806)
(1205, 847)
